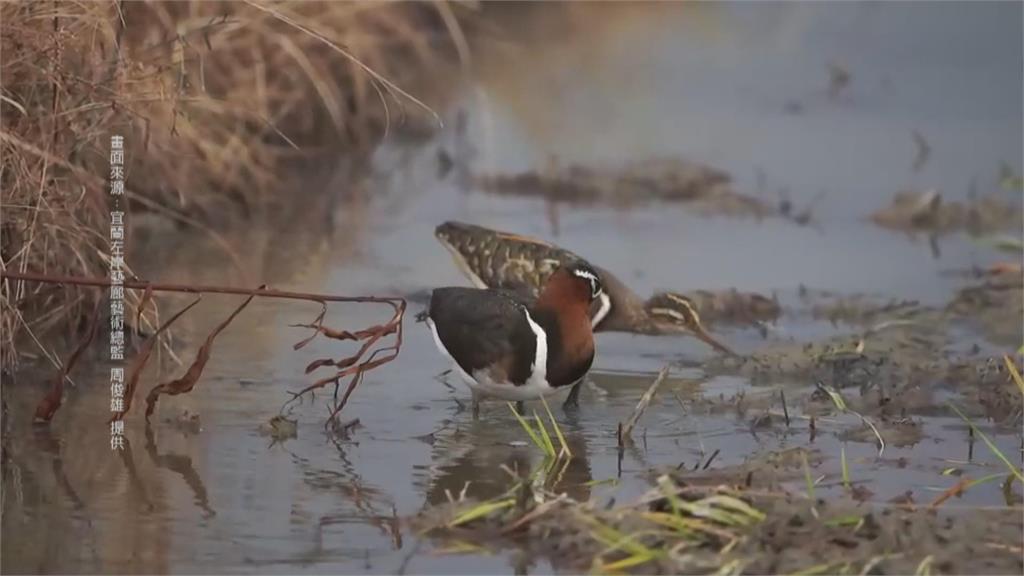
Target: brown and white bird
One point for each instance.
(507, 345)
(495, 259)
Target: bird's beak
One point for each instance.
(701, 333)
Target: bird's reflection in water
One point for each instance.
(181, 465)
(481, 464)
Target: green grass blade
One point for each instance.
(985, 479)
(991, 446)
(558, 430)
(526, 426)
(1013, 371)
(730, 568)
(837, 398)
(610, 481)
(807, 476)
(627, 562)
(925, 567)
(736, 505)
(846, 469)
(849, 520)
(812, 570)
(549, 446)
(480, 511)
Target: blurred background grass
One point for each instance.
(217, 101)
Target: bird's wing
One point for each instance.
(495, 259)
(510, 237)
(482, 329)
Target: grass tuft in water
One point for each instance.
(991, 445)
(539, 435)
(846, 468)
(481, 511)
(1014, 373)
(807, 476)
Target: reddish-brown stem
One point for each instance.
(372, 334)
(196, 288)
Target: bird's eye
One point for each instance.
(595, 285)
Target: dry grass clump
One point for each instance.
(213, 99)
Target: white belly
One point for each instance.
(482, 385)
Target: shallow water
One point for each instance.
(707, 83)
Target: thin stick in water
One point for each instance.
(641, 406)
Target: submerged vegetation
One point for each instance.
(215, 101)
(746, 519)
(768, 515)
(698, 524)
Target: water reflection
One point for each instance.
(138, 487)
(181, 465)
(479, 464)
(48, 444)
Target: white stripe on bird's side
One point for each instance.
(481, 383)
(539, 369)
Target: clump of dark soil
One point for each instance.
(925, 211)
(901, 356)
(706, 189)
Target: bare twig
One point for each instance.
(785, 411)
(139, 284)
(52, 401)
(188, 380)
(355, 365)
(142, 357)
(641, 406)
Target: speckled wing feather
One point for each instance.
(484, 329)
(502, 260)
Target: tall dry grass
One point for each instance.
(214, 99)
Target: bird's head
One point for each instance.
(674, 312)
(573, 283)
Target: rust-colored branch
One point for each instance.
(139, 284)
(51, 402)
(188, 381)
(142, 357)
(355, 365)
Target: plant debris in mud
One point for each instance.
(728, 529)
(901, 355)
(925, 211)
(280, 428)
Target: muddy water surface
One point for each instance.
(742, 87)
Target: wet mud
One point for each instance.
(702, 188)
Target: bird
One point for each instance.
(506, 345)
(496, 259)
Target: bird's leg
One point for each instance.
(572, 401)
(520, 407)
(476, 406)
